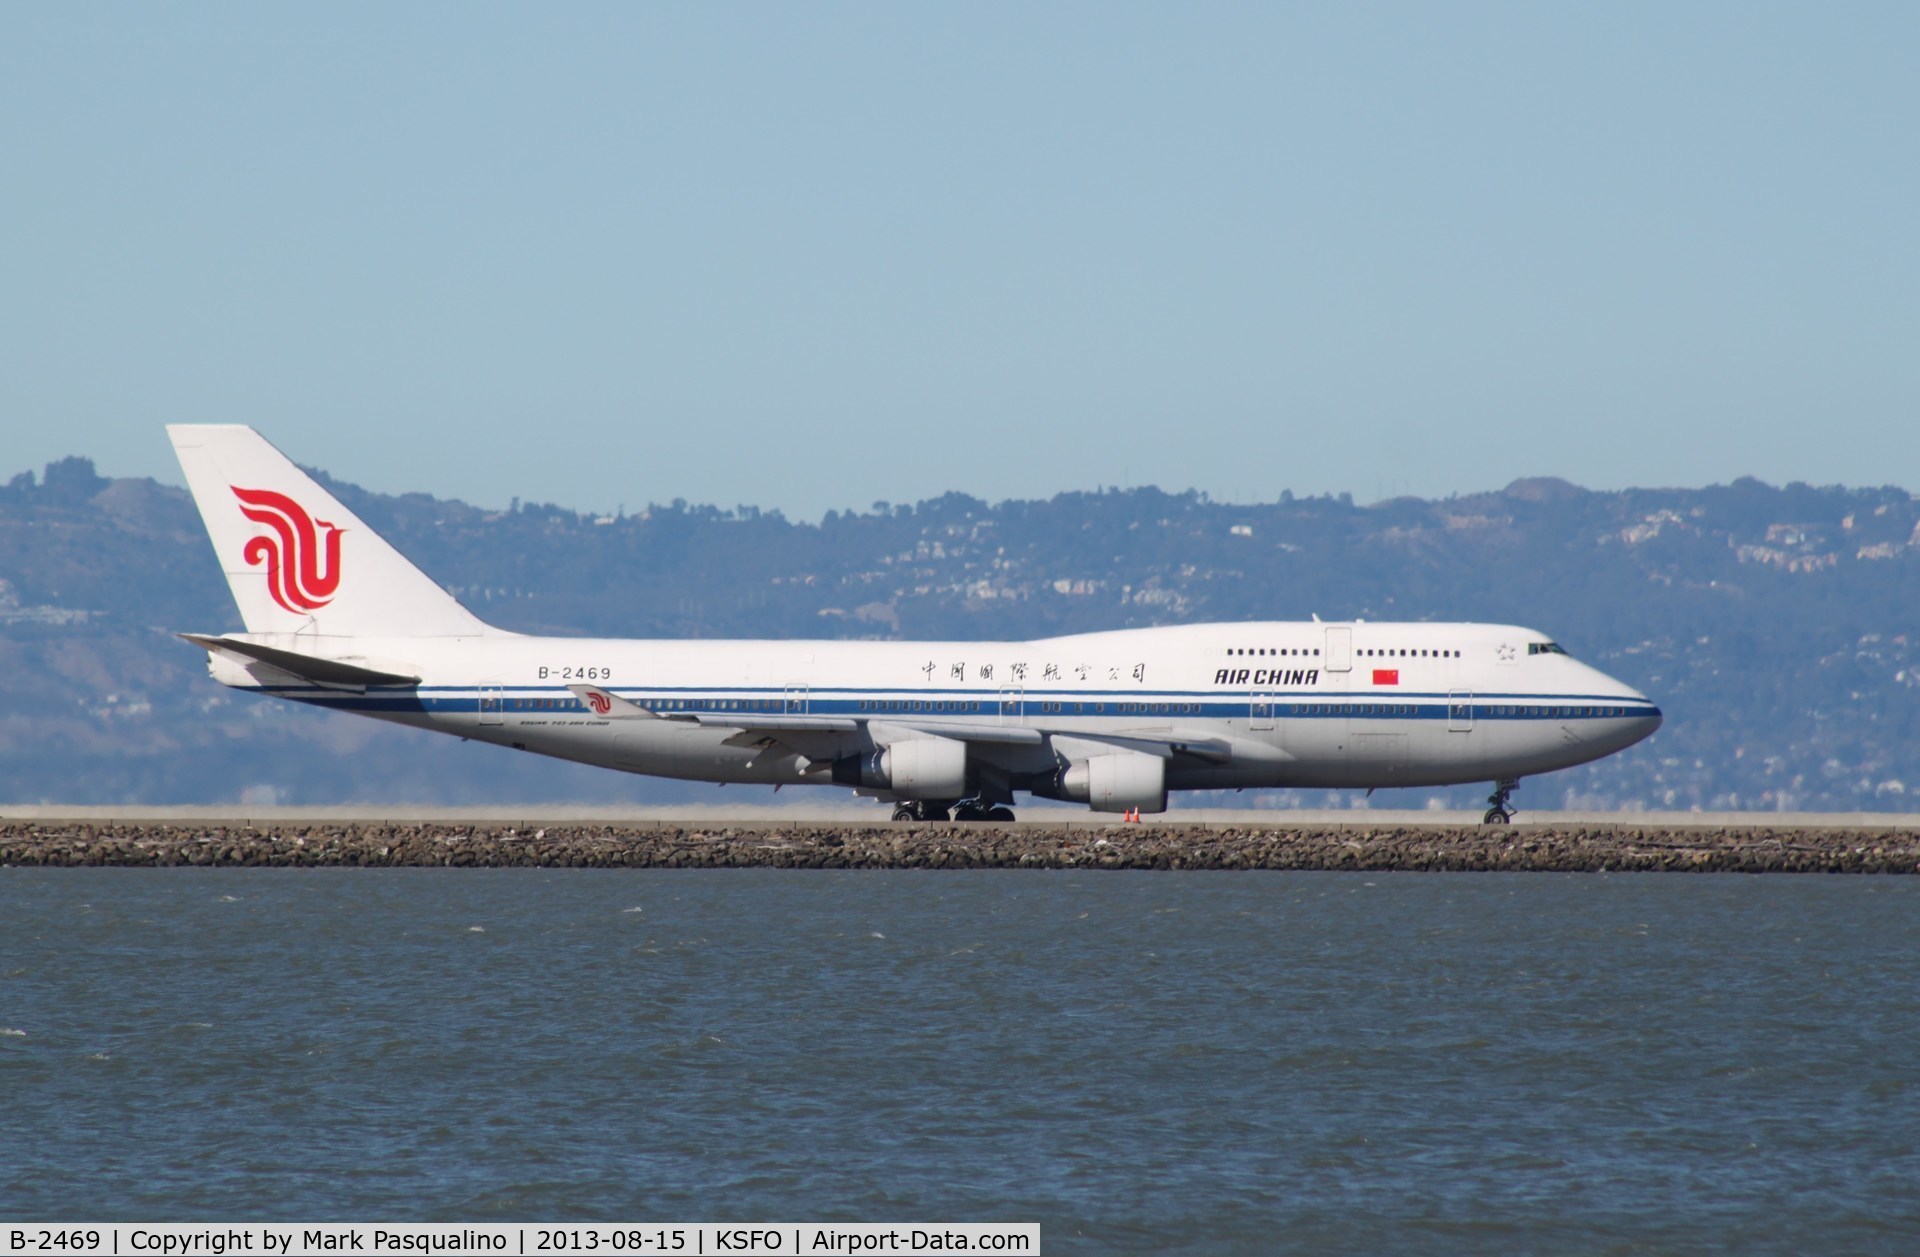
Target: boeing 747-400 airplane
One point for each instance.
(337, 618)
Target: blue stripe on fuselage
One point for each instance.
(457, 700)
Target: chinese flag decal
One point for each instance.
(1386, 676)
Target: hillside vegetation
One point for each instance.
(1776, 626)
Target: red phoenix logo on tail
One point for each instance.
(601, 703)
(295, 576)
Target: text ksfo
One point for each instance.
(811, 1240)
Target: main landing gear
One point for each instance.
(963, 810)
(1501, 813)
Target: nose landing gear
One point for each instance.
(1501, 813)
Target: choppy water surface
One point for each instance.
(1141, 1062)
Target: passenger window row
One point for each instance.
(1407, 709)
(950, 705)
(1550, 713)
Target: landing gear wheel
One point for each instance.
(1001, 814)
(904, 812)
(1501, 813)
(968, 812)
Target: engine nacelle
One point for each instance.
(1117, 782)
(921, 768)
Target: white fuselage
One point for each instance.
(339, 618)
(1222, 705)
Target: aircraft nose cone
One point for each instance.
(1643, 714)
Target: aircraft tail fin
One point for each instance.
(296, 559)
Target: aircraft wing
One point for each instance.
(1216, 750)
(770, 723)
(893, 730)
(765, 728)
(882, 731)
(611, 705)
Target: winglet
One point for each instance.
(610, 705)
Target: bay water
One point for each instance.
(1141, 1062)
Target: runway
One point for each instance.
(860, 814)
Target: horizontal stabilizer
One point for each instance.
(327, 672)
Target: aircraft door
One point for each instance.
(1260, 713)
(1339, 648)
(796, 701)
(490, 705)
(1459, 711)
(1012, 704)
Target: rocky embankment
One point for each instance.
(1557, 849)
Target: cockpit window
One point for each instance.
(1545, 648)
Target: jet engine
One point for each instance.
(919, 768)
(1117, 782)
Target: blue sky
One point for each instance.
(811, 257)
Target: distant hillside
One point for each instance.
(1775, 625)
